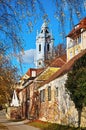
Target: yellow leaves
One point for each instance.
(78, 13)
(45, 17)
(19, 2)
(1, 78)
(28, 13)
(29, 23)
(5, 88)
(23, 16)
(1, 57)
(22, 51)
(62, 14)
(56, 17)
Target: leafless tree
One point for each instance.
(16, 13)
(60, 49)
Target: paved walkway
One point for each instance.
(15, 125)
(21, 127)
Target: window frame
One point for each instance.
(42, 95)
(49, 93)
(48, 47)
(79, 39)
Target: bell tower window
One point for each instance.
(39, 47)
(46, 31)
(39, 63)
(42, 31)
(48, 47)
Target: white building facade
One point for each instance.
(76, 39)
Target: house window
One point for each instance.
(75, 42)
(48, 47)
(49, 93)
(70, 43)
(79, 39)
(39, 63)
(76, 51)
(42, 95)
(33, 73)
(39, 47)
(71, 55)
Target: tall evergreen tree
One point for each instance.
(76, 84)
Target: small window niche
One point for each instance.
(48, 47)
(39, 47)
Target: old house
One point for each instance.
(56, 105)
(76, 39)
(43, 93)
(34, 107)
(26, 91)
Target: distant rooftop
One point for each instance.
(77, 28)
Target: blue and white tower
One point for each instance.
(44, 46)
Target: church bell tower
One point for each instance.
(44, 46)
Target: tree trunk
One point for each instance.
(79, 117)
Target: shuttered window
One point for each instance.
(42, 95)
(49, 93)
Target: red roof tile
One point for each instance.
(77, 29)
(59, 61)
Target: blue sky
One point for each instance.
(30, 38)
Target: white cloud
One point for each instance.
(28, 56)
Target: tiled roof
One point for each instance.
(47, 73)
(59, 61)
(77, 29)
(40, 70)
(65, 68)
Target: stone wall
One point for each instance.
(61, 108)
(83, 117)
(14, 113)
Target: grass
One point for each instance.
(51, 126)
(39, 124)
(2, 127)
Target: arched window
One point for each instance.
(42, 31)
(39, 47)
(48, 47)
(46, 31)
(39, 63)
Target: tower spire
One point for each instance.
(44, 46)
